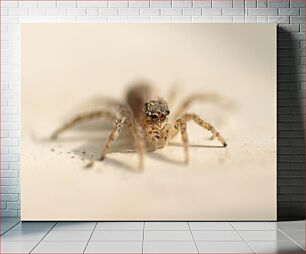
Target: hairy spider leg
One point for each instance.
(82, 118)
(188, 117)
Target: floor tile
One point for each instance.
(273, 223)
(3, 230)
(295, 234)
(274, 235)
(114, 247)
(164, 225)
(291, 225)
(68, 236)
(117, 236)
(301, 243)
(119, 226)
(9, 220)
(276, 247)
(169, 247)
(216, 236)
(74, 226)
(210, 226)
(60, 247)
(33, 226)
(23, 236)
(223, 247)
(164, 235)
(253, 226)
(7, 225)
(17, 247)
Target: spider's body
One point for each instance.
(151, 112)
(147, 117)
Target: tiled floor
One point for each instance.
(152, 237)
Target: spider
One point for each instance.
(147, 117)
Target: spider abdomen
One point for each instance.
(137, 96)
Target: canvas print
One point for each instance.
(148, 122)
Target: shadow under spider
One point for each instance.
(196, 145)
(165, 159)
(92, 148)
(92, 151)
(178, 162)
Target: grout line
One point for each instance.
(10, 228)
(247, 243)
(159, 230)
(290, 238)
(143, 232)
(165, 230)
(233, 227)
(167, 240)
(193, 237)
(90, 236)
(42, 238)
(273, 225)
(276, 227)
(158, 240)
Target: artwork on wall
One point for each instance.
(148, 122)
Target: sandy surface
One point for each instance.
(60, 72)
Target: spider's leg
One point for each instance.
(101, 102)
(212, 137)
(82, 118)
(112, 137)
(187, 117)
(120, 121)
(180, 125)
(138, 142)
(186, 103)
(171, 96)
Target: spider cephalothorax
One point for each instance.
(156, 110)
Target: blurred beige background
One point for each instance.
(65, 65)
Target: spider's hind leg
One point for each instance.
(187, 102)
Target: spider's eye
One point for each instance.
(162, 117)
(168, 112)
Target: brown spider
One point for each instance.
(147, 118)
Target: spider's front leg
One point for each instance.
(180, 125)
(138, 141)
(187, 117)
(121, 120)
(82, 118)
